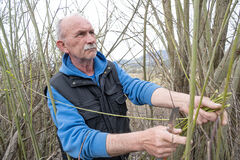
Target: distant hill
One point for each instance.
(134, 65)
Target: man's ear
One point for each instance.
(61, 45)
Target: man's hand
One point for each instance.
(164, 97)
(204, 116)
(157, 141)
(160, 143)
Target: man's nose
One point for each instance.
(91, 38)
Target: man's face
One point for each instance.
(78, 38)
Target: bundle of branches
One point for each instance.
(217, 98)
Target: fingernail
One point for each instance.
(217, 104)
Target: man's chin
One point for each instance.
(91, 52)
(91, 55)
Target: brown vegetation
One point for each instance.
(28, 57)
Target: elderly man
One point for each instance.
(87, 80)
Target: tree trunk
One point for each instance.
(221, 7)
(177, 73)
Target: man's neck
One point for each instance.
(85, 66)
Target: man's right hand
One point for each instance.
(160, 143)
(157, 141)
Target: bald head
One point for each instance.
(76, 37)
(67, 23)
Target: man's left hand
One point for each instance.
(204, 116)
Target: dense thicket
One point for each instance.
(207, 30)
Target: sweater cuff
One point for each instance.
(150, 92)
(99, 148)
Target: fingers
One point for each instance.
(211, 116)
(204, 116)
(166, 144)
(165, 150)
(208, 103)
(200, 118)
(224, 117)
(175, 139)
(176, 131)
(170, 143)
(159, 142)
(162, 152)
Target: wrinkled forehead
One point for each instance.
(72, 23)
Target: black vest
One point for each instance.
(107, 97)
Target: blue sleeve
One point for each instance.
(138, 91)
(72, 130)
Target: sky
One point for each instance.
(96, 12)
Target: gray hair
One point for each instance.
(59, 29)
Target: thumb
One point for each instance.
(176, 131)
(210, 104)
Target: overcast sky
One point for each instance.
(95, 11)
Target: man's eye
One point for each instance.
(80, 34)
(92, 32)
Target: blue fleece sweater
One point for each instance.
(72, 128)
